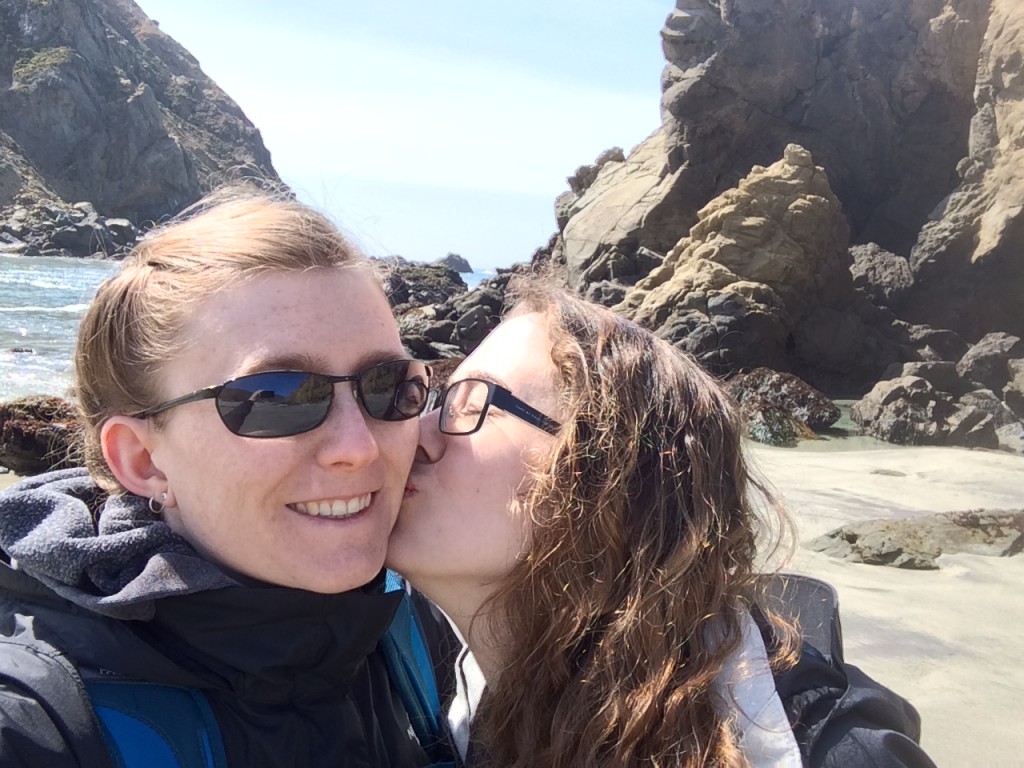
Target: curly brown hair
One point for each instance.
(627, 601)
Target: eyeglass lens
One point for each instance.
(463, 409)
(282, 403)
(392, 392)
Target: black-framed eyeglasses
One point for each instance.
(464, 405)
(285, 403)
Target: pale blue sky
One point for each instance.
(433, 126)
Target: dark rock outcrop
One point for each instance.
(917, 542)
(986, 363)
(455, 262)
(438, 318)
(771, 401)
(103, 106)
(54, 229)
(882, 276)
(409, 284)
(37, 434)
(905, 411)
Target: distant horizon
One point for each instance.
(424, 131)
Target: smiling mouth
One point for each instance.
(333, 508)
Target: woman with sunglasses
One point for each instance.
(579, 508)
(249, 422)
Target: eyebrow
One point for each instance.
(485, 376)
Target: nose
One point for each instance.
(346, 437)
(431, 446)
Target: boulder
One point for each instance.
(987, 362)
(770, 424)
(987, 401)
(788, 393)
(941, 374)
(918, 542)
(880, 275)
(969, 427)
(1011, 438)
(50, 226)
(37, 434)
(624, 200)
(1013, 392)
(906, 411)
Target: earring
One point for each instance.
(156, 507)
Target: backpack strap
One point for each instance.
(811, 602)
(412, 671)
(157, 726)
(67, 733)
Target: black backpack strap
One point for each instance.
(813, 604)
(840, 716)
(47, 718)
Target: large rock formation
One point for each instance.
(969, 262)
(763, 279)
(879, 91)
(912, 108)
(97, 104)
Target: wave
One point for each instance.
(66, 309)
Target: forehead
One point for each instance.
(516, 354)
(336, 319)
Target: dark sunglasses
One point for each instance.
(464, 405)
(284, 403)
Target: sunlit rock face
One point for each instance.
(97, 104)
(969, 262)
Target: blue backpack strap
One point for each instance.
(411, 668)
(157, 726)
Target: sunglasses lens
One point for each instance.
(394, 391)
(275, 404)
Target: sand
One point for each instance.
(949, 640)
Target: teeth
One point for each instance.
(336, 508)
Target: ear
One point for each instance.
(127, 447)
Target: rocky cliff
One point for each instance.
(97, 104)
(911, 107)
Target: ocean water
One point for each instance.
(42, 301)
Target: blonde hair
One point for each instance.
(626, 604)
(134, 324)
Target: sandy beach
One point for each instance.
(948, 640)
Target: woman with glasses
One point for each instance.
(579, 507)
(249, 422)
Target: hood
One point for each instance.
(120, 592)
(107, 554)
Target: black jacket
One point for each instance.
(294, 678)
